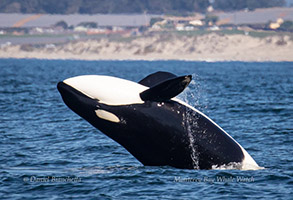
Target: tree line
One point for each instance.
(230, 5)
(130, 6)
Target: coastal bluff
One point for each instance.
(206, 47)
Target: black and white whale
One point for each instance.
(154, 126)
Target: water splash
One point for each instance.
(189, 124)
(237, 166)
(191, 95)
(194, 94)
(232, 165)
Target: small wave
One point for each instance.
(103, 170)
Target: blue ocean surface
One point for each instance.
(49, 152)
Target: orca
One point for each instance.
(152, 124)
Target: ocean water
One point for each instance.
(49, 152)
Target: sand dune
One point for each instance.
(209, 47)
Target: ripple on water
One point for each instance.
(41, 137)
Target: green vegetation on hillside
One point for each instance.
(102, 6)
(129, 6)
(228, 5)
(287, 26)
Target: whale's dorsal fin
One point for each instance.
(166, 90)
(155, 78)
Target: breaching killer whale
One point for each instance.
(154, 126)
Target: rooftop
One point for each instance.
(46, 20)
(258, 16)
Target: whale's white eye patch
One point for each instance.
(107, 116)
(108, 90)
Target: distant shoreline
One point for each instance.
(147, 60)
(210, 47)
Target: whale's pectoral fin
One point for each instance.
(167, 89)
(156, 78)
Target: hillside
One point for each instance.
(129, 6)
(207, 47)
(101, 6)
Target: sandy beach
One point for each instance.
(208, 47)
